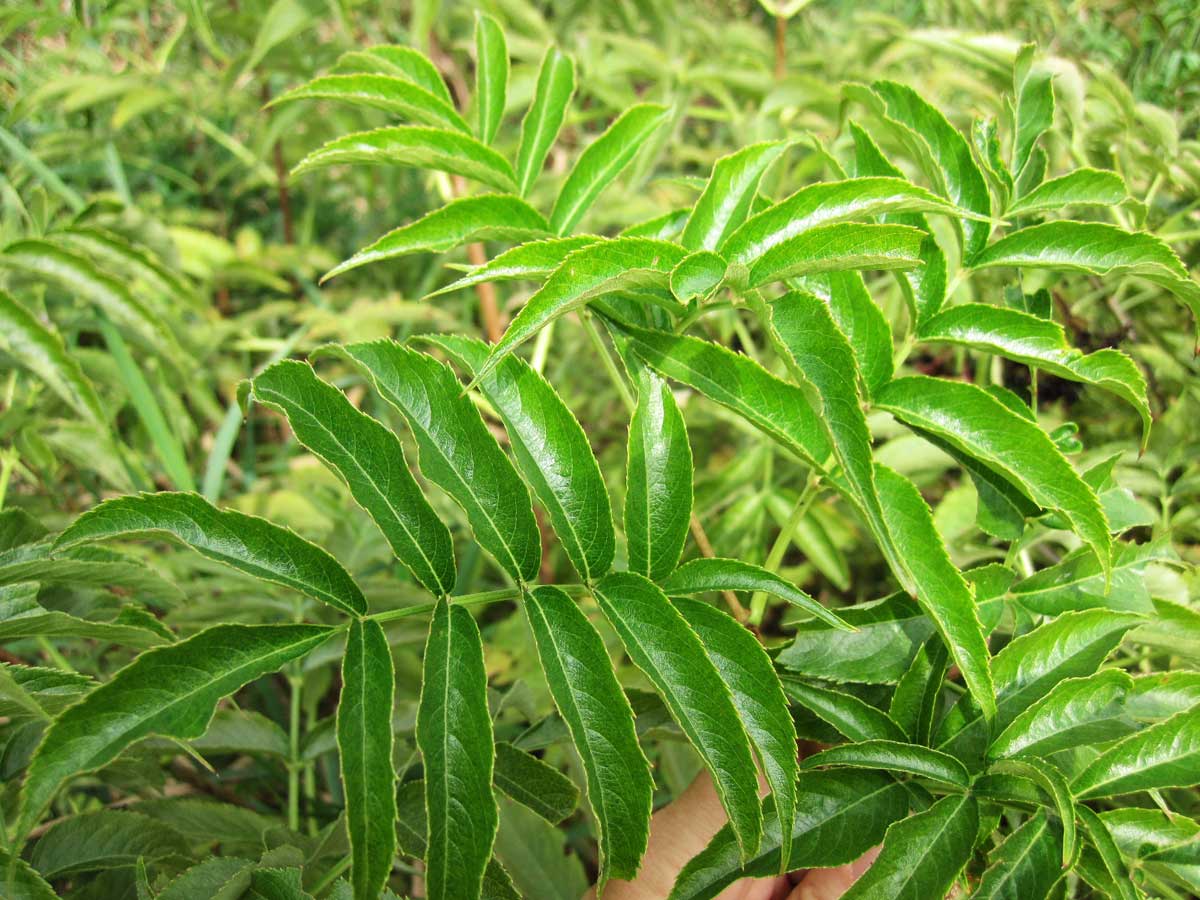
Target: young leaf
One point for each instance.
(1034, 113)
(491, 76)
(412, 145)
(531, 261)
(403, 62)
(487, 217)
(534, 784)
(364, 735)
(1076, 713)
(729, 194)
(552, 452)
(923, 854)
(855, 719)
(976, 423)
(590, 272)
(660, 643)
(894, 756)
(746, 670)
(603, 161)
(705, 574)
(458, 453)
(1164, 755)
(371, 460)
(169, 691)
(1083, 187)
(1027, 865)
(539, 128)
(454, 734)
(658, 482)
(247, 543)
(586, 691)
(940, 588)
(840, 815)
(391, 93)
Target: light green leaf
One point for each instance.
(840, 815)
(412, 145)
(404, 62)
(169, 691)
(491, 76)
(660, 643)
(1154, 835)
(698, 275)
(283, 20)
(923, 854)
(658, 481)
(390, 93)
(863, 324)
(590, 272)
(1034, 113)
(371, 460)
(364, 734)
(531, 261)
(552, 452)
(454, 734)
(1078, 712)
(729, 194)
(104, 839)
(603, 161)
(941, 591)
(540, 127)
(705, 574)
(585, 689)
(1083, 187)
(666, 227)
(1162, 756)
(21, 881)
(1042, 344)
(487, 217)
(216, 878)
(746, 670)
(834, 248)
(457, 452)
(855, 719)
(893, 756)
(534, 784)
(976, 423)
(247, 543)
(1077, 581)
(1027, 865)
(1161, 695)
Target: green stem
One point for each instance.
(609, 365)
(8, 462)
(296, 682)
(331, 876)
(479, 599)
(758, 601)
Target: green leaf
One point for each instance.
(534, 784)
(21, 881)
(552, 452)
(457, 452)
(390, 93)
(105, 839)
(840, 815)
(603, 161)
(531, 261)
(1102, 840)
(729, 194)
(894, 756)
(364, 733)
(540, 127)
(976, 423)
(1042, 344)
(660, 643)
(1154, 835)
(404, 62)
(21, 616)
(585, 689)
(957, 174)
(538, 857)
(923, 854)
(666, 227)
(1034, 113)
(1047, 776)
(698, 275)
(857, 720)
(1162, 756)
(1161, 695)
(1083, 187)
(491, 76)
(779, 409)
(454, 734)
(834, 248)
(1074, 645)
(658, 492)
(169, 691)
(590, 272)
(487, 217)
(371, 460)
(941, 591)
(746, 670)
(1027, 865)
(705, 574)
(917, 699)
(1078, 712)
(247, 543)
(1077, 581)
(411, 145)
(863, 324)
(42, 352)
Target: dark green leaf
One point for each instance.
(917, 699)
(1097, 832)
(1078, 582)
(857, 720)
(863, 324)
(1027, 865)
(539, 128)
(105, 839)
(1162, 756)
(534, 784)
(893, 756)
(1047, 776)
(1154, 835)
(21, 881)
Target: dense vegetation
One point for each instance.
(432, 437)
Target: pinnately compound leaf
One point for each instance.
(247, 543)
(169, 691)
(585, 689)
(454, 734)
(539, 128)
(371, 460)
(364, 735)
